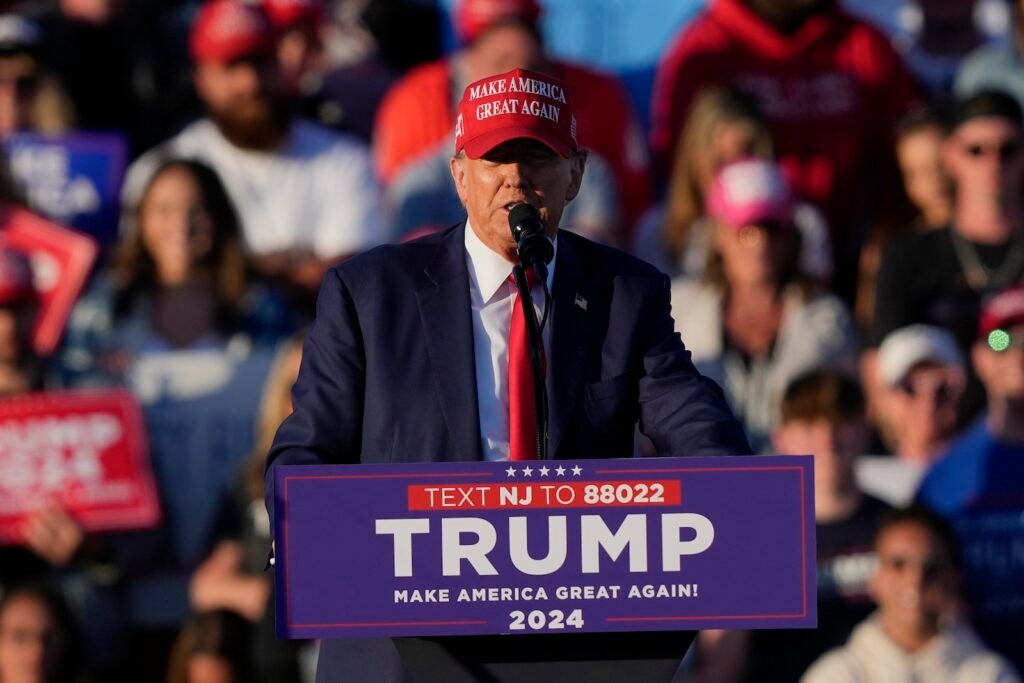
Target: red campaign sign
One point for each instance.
(61, 259)
(83, 449)
(564, 494)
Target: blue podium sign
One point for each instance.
(545, 547)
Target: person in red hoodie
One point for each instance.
(830, 86)
(416, 115)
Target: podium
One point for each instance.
(558, 571)
(592, 657)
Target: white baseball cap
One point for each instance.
(907, 347)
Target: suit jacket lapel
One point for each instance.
(443, 297)
(569, 339)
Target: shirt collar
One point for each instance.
(488, 270)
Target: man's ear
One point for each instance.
(577, 162)
(458, 169)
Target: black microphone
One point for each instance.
(534, 248)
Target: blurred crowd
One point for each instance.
(834, 188)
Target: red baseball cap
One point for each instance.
(473, 17)
(1004, 310)
(224, 30)
(516, 104)
(285, 13)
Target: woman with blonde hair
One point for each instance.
(754, 321)
(724, 125)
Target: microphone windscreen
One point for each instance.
(521, 214)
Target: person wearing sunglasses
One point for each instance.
(979, 483)
(917, 633)
(999, 63)
(940, 277)
(922, 370)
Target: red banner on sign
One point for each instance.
(85, 450)
(553, 494)
(61, 259)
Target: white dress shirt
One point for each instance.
(491, 297)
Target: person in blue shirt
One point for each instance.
(179, 321)
(979, 484)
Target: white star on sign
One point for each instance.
(559, 470)
(577, 470)
(544, 471)
(510, 472)
(527, 471)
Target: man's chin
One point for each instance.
(262, 130)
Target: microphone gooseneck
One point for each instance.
(535, 251)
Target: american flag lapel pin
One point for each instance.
(581, 302)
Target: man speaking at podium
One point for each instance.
(421, 353)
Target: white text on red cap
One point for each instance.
(517, 84)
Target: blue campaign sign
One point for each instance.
(552, 547)
(75, 179)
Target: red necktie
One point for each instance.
(522, 411)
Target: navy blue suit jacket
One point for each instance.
(388, 371)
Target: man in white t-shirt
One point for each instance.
(307, 196)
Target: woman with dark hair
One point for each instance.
(178, 280)
(39, 639)
(754, 320)
(918, 200)
(212, 647)
(177, 321)
(184, 256)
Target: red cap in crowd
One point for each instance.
(286, 13)
(516, 104)
(1004, 310)
(16, 284)
(225, 30)
(473, 17)
(748, 192)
